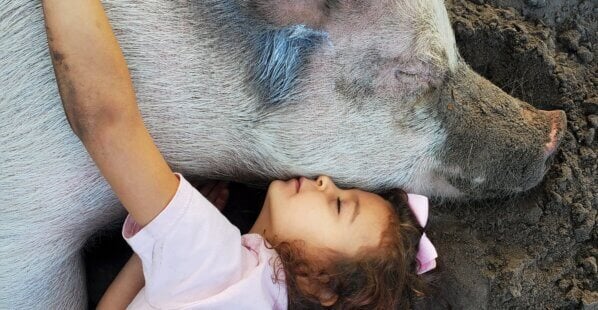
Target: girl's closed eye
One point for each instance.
(338, 204)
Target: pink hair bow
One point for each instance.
(426, 253)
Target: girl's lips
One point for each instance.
(301, 180)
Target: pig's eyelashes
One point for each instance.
(408, 79)
(400, 74)
(413, 79)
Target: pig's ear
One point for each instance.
(312, 13)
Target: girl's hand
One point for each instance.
(216, 192)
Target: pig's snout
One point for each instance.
(558, 121)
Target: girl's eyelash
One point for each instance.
(338, 204)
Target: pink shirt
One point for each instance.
(194, 258)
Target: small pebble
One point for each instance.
(585, 55)
(590, 135)
(589, 300)
(583, 230)
(564, 284)
(589, 265)
(556, 197)
(566, 173)
(570, 39)
(579, 213)
(590, 106)
(515, 290)
(536, 4)
(533, 215)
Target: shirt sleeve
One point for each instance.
(189, 251)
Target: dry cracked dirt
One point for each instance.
(535, 250)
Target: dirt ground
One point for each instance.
(538, 249)
(535, 250)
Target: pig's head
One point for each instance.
(434, 126)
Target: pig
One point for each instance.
(371, 93)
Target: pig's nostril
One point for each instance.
(552, 144)
(558, 121)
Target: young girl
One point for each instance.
(313, 243)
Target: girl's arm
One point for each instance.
(125, 286)
(99, 101)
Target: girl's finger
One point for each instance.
(224, 194)
(207, 188)
(220, 202)
(219, 187)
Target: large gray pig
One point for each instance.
(372, 93)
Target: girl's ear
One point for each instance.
(312, 13)
(327, 297)
(317, 287)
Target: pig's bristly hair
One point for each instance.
(282, 54)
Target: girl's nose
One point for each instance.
(324, 182)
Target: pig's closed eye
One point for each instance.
(401, 74)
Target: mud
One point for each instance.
(535, 250)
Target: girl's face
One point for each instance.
(323, 215)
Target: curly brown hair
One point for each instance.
(380, 278)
